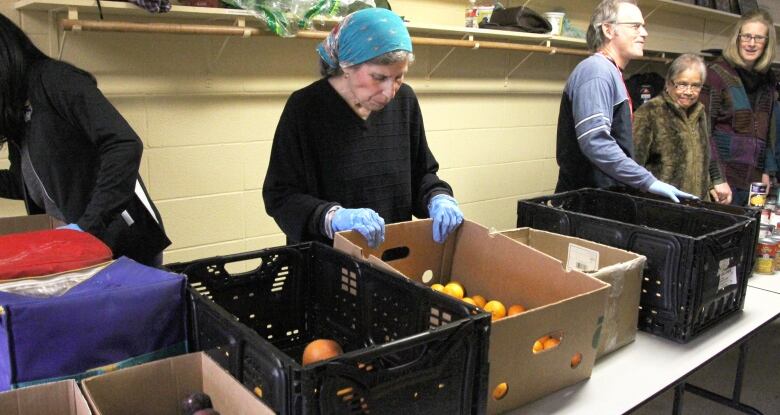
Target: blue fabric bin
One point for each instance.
(125, 314)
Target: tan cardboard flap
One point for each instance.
(159, 388)
(417, 238)
(56, 398)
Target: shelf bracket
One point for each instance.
(447, 55)
(239, 22)
(73, 13)
(522, 61)
(713, 37)
(647, 16)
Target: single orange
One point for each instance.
(320, 349)
(500, 391)
(437, 287)
(454, 289)
(515, 309)
(551, 343)
(469, 300)
(480, 300)
(576, 360)
(496, 309)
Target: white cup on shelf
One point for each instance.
(556, 21)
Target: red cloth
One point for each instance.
(29, 254)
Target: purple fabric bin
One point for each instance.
(125, 314)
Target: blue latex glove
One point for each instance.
(446, 216)
(71, 226)
(664, 189)
(365, 221)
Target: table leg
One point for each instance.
(734, 401)
(679, 392)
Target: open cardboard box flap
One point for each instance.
(56, 398)
(159, 388)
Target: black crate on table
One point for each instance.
(698, 259)
(407, 348)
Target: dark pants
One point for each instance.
(739, 197)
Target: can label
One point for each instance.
(757, 195)
(766, 250)
(764, 231)
(777, 257)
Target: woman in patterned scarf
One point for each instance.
(350, 151)
(740, 98)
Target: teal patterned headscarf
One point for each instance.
(364, 35)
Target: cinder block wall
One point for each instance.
(207, 119)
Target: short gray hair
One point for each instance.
(684, 62)
(605, 12)
(388, 58)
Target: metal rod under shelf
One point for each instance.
(175, 28)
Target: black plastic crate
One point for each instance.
(407, 348)
(693, 252)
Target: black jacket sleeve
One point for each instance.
(288, 191)
(11, 179)
(74, 94)
(425, 181)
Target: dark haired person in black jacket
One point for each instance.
(73, 156)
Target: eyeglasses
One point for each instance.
(682, 86)
(637, 26)
(746, 38)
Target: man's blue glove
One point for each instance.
(365, 221)
(71, 226)
(664, 189)
(446, 216)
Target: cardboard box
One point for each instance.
(28, 223)
(566, 304)
(159, 388)
(57, 398)
(620, 268)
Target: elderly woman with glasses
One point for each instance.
(671, 134)
(740, 98)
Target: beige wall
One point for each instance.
(207, 122)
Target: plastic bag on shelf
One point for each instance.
(286, 17)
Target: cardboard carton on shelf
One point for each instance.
(566, 304)
(621, 269)
(160, 387)
(56, 398)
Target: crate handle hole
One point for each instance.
(576, 359)
(394, 254)
(500, 391)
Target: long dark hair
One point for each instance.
(17, 55)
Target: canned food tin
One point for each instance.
(764, 231)
(776, 238)
(766, 216)
(757, 194)
(766, 250)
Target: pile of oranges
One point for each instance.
(494, 307)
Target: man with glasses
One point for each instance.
(595, 144)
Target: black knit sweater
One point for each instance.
(324, 154)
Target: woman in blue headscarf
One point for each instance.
(349, 151)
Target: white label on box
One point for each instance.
(726, 275)
(582, 259)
